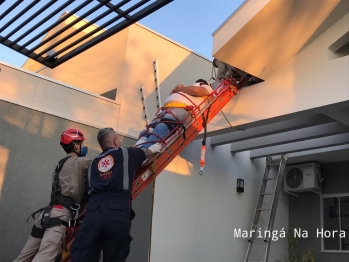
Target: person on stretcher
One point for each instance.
(174, 112)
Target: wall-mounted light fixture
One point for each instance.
(240, 185)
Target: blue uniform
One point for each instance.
(107, 221)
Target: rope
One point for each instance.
(240, 129)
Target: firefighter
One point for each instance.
(107, 222)
(69, 177)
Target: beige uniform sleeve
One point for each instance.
(84, 165)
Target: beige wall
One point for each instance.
(125, 61)
(30, 90)
(176, 64)
(311, 79)
(235, 22)
(97, 70)
(263, 35)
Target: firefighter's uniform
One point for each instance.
(46, 241)
(107, 222)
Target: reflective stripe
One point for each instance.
(126, 179)
(89, 174)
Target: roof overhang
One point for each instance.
(263, 35)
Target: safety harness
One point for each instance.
(57, 201)
(170, 123)
(173, 124)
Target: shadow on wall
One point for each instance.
(29, 149)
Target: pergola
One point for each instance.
(23, 24)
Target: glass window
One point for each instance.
(335, 230)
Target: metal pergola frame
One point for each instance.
(56, 52)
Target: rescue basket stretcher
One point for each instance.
(175, 142)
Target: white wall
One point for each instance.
(195, 216)
(309, 80)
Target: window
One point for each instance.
(335, 222)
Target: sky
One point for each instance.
(187, 22)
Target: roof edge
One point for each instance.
(58, 82)
(226, 20)
(172, 41)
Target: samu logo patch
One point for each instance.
(106, 163)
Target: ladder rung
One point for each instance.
(258, 243)
(271, 178)
(263, 209)
(273, 164)
(260, 226)
(257, 260)
(267, 194)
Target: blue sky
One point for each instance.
(188, 22)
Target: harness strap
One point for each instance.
(56, 186)
(204, 124)
(65, 201)
(56, 222)
(34, 213)
(47, 221)
(125, 175)
(170, 122)
(37, 232)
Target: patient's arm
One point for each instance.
(191, 90)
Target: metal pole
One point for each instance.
(144, 102)
(157, 81)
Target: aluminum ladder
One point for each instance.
(264, 206)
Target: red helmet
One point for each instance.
(70, 135)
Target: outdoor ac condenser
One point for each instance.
(303, 177)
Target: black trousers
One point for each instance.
(106, 226)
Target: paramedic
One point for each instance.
(107, 222)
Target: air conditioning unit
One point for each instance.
(303, 177)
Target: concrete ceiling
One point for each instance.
(261, 41)
(317, 135)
